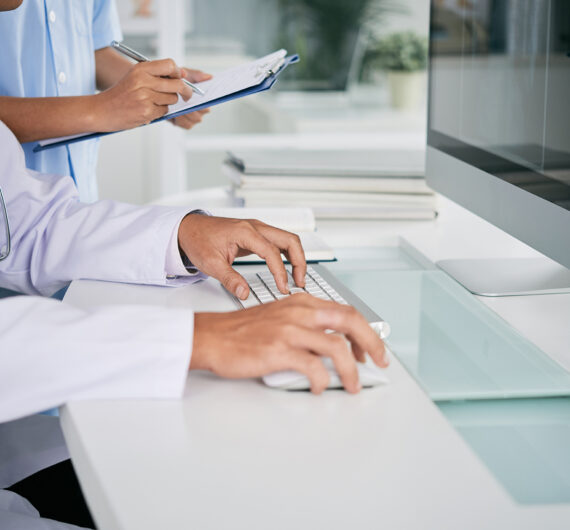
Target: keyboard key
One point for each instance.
(250, 301)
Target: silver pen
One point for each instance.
(139, 57)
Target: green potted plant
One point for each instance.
(404, 56)
(325, 33)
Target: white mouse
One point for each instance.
(368, 373)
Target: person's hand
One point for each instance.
(140, 96)
(187, 121)
(213, 243)
(286, 335)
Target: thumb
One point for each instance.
(233, 281)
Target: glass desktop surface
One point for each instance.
(452, 344)
(461, 352)
(523, 442)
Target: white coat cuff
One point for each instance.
(174, 266)
(132, 351)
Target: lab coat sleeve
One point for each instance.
(52, 353)
(57, 239)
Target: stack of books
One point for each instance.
(358, 184)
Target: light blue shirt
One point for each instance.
(47, 49)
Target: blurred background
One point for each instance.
(360, 83)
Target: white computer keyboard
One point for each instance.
(263, 288)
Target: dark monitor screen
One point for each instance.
(500, 92)
(499, 101)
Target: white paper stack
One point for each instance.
(301, 221)
(356, 184)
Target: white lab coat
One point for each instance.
(51, 353)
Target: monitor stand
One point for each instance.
(508, 276)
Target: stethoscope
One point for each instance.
(4, 249)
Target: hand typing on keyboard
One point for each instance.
(213, 243)
(288, 334)
(291, 333)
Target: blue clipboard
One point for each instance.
(266, 84)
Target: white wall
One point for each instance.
(414, 17)
(128, 165)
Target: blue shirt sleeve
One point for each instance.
(106, 25)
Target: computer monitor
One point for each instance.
(499, 131)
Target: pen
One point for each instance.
(139, 57)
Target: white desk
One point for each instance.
(234, 454)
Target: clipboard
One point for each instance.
(269, 68)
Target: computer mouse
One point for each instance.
(369, 374)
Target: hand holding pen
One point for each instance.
(143, 95)
(139, 57)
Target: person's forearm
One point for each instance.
(53, 353)
(110, 67)
(101, 241)
(33, 119)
